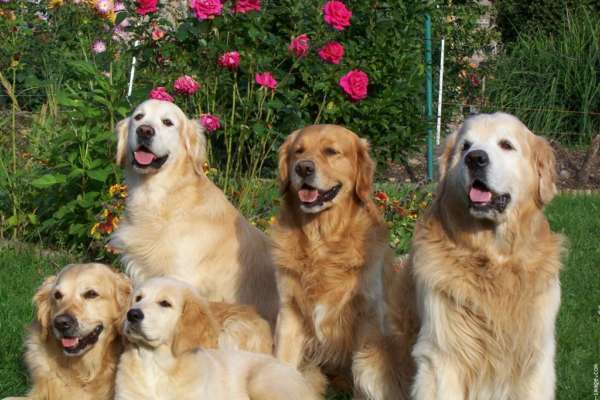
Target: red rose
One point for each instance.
(146, 6)
(355, 84)
(332, 52)
(299, 45)
(337, 14)
(206, 9)
(245, 6)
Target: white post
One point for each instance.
(440, 90)
(132, 72)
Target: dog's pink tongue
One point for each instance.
(69, 342)
(143, 157)
(479, 196)
(308, 195)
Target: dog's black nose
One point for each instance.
(135, 315)
(145, 131)
(477, 159)
(64, 323)
(305, 168)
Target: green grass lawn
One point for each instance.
(23, 267)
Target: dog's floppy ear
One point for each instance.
(365, 171)
(196, 326)
(194, 141)
(41, 299)
(122, 129)
(545, 166)
(446, 157)
(123, 289)
(284, 150)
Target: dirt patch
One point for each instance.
(568, 162)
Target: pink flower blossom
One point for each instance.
(186, 85)
(266, 79)
(355, 84)
(157, 33)
(99, 46)
(245, 6)
(119, 6)
(300, 45)
(337, 14)
(210, 122)
(206, 9)
(160, 93)
(332, 52)
(146, 6)
(229, 60)
(104, 6)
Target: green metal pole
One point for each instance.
(429, 96)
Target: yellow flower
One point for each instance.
(119, 189)
(94, 230)
(55, 3)
(272, 220)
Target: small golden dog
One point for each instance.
(178, 223)
(73, 347)
(232, 326)
(331, 247)
(480, 292)
(166, 315)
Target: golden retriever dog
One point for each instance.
(484, 270)
(232, 326)
(331, 247)
(73, 348)
(178, 223)
(166, 313)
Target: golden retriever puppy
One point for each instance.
(233, 326)
(153, 367)
(73, 347)
(484, 270)
(331, 247)
(178, 223)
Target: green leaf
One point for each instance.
(48, 180)
(99, 174)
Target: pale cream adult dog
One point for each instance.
(331, 248)
(178, 223)
(151, 368)
(202, 324)
(484, 268)
(73, 347)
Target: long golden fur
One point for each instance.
(178, 223)
(202, 323)
(330, 254)
(159, 361)
(480, 294)
(93, 295)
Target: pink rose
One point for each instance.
(266, 79)
(332, 52)
(146, 6)
(210, 122)
(160, 93)
(244, 6)
(355, 84)
(299, 45)
(186, 85)
(206, 9)
(229, 60)
(157, 33)
(337, 14)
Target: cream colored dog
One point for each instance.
(484, 270)
(178, 223)
(150, 368)
(73, 347)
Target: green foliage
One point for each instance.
(541, 76)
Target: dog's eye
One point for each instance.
(505, 145)
(167, 122)
(90, 294)
(466, 145)
(58, 295)
(299, 150)
(138, 117)
(138, 298)
(330, 151)
(164, 303)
